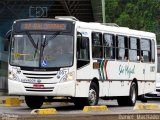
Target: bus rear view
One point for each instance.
(41, 59)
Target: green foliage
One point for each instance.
(135, 14)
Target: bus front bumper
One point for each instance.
(58, 89)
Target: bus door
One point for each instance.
(83, 63)
(149, 59)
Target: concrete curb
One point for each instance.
(95, 108)
(146, 106)
(11, 101)
(44, 111)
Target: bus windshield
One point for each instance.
(42, 50)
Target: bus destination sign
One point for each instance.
(43, 26)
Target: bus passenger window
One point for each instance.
(153, 51)
(133, 49)
(145, 50)
(109, 46)
(97, 49)
(122, 47)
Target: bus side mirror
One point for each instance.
(81, 41)
(7, 40)
(8, 35)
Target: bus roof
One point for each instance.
(115, 29)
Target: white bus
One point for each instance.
(64, 57)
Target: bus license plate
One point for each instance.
(38, 86)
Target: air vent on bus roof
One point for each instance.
(110, 24)
(66, 18)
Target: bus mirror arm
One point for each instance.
(81, 41)
(8, 36)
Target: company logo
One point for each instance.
(38, 81)
(38, 11)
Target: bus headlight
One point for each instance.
(69, 76)
(13, 76)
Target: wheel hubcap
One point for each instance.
(92, 97)
(133, 94)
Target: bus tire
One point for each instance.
(34, 102)
(133, 95)
(93, 94)
(92, 99)
(131, 99)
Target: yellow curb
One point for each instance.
(94, 108)
(44, 111)
(59, 97)
(146, 106)
(47, 103)
(12, 102)
(64, 103)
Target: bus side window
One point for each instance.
(145, 50)
(152, 50)
(122, 47)
(83, 48)
(97, 49)
(134, 54)
(83, 56)
(109, 47)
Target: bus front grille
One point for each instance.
(40, 75)
(46, 89)
(38, 90)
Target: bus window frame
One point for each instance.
(125, 48)
(137, 49)
(100, 46)
(149, 52)
(113, 47)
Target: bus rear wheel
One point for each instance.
(91, 100)
(131, 99)
(34, 102)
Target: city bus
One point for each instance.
(82, 61)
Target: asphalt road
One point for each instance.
(69, 112)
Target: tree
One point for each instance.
(135, 14)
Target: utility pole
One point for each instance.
(103, 11)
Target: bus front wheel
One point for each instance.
(92, 99)
(34, 102)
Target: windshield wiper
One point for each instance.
(31, 39)
(33, 43)
(36, 49)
